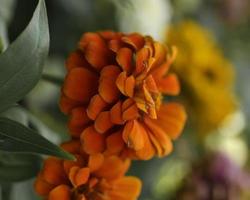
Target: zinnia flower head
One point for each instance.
(94, 177)
(207, 76)
(113, 94)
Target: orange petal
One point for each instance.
(66, 104)
(107, 83)
(61, 192)
(115, 45)
(72, 146)
(76, 59)
(132, 135)
(148, 151)
(127, 103)
(96, 105)
(82, 176)
(160, 71)
(125, 188)
(151, 85)
(103, 122)
(109, 35)
(80, 84)
(79, 176)
(112, 168)
(68, 164)
(92, 141)
(142, 57)
(120, 82)
(159, 54)
(130, 113)
(160, 135)
(129, 86)
(124, 58)
(78, 121)
(172, 118)
(53, 171)
(116, 113)
(42, 187)
(169, 85)
(135, 40)
(95, 162)
(114, 143)
(95, 50)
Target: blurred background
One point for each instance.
(211, 158)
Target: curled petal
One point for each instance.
(135, 40)
(124, 58)
(42, 187)
(132, 135)
(130, 113)
(169, 85)
(116, 113)
(159, 135)
(172, 118)
(95, 50)
(103, 122)
(121, 82)
(96, 105)
(130, 86)
(79, 176)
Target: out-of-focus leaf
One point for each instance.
(6, 13)
(1, 45)
(21, 64)
(15, 137)
(18, 167)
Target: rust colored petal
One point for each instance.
(95, 161)
(130, 86)
(79, 176)
(42, 187)
(130, 113)
(95, 50)
(66, 104)
(68, 164)
(53, 172)
(92, 141)
(114, 143)
(121, 82)
(76, 59)
(132, 135)
(61, 192)
(135, 40)
(116, 113)
(96, 105)
(142, 57)
(124, 58)
(115, 45)
(169, 85)
(172, 118)
(126, 188)
(113, 167)
(107, 83)
(103, 122)
(80, 84)
(78, 121)
(72, 146)
(160, 135)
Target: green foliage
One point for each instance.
(15, 137)
(18, 167)
(21, 64)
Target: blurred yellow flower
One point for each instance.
(207, 76)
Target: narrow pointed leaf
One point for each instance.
(15, 137)
(21, 63)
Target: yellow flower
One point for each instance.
(206, 76)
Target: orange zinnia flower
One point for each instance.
(93, 177)
(113, 94)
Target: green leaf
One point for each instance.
(21, 64)
(15, 137)
(18, 167)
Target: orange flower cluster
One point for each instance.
(93, 177)
(113, 95)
